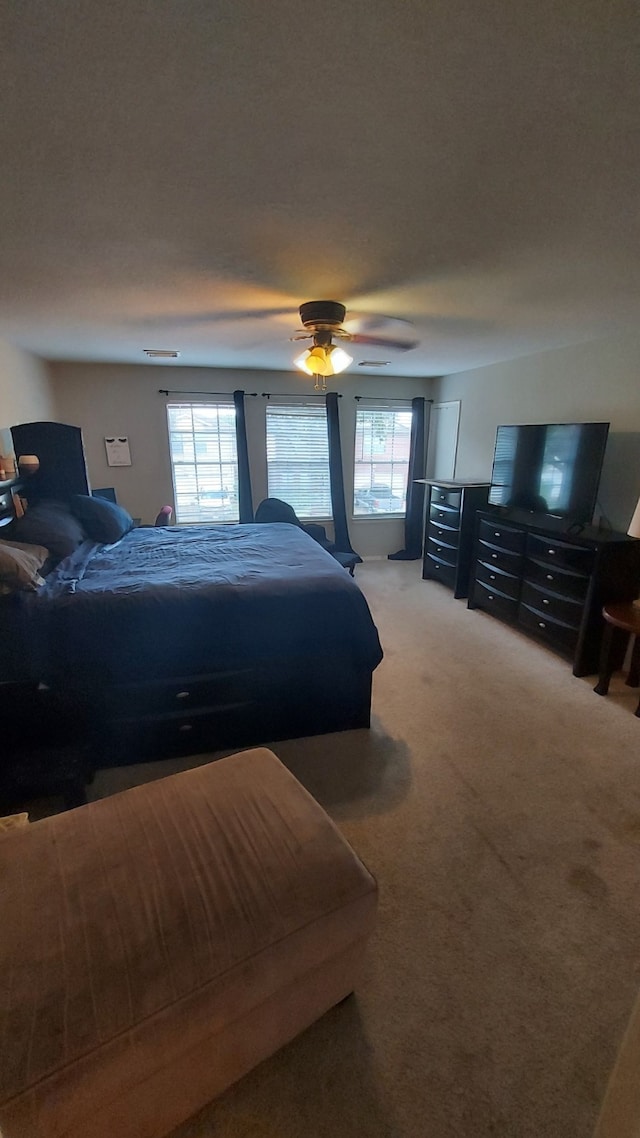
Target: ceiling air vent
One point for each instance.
(160, 353)
(374, 363)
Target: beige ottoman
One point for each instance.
(156, 945)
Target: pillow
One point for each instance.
(20, 565)
(49, 524)
(102, 520)
(12, 822)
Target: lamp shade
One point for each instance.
(329, 360)
(634, 524)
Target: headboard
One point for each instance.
(60, 450)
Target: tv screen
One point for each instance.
(550, 468)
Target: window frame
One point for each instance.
(381, 407)
(228, 405)
(296, 406)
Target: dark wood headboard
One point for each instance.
(60, 450)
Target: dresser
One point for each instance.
(553, 584)
(448, 543)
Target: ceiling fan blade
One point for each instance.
(191, 318)
(379, 342)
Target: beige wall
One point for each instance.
(594, 381)
(25, 389)
(119, 399)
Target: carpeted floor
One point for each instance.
(497, 801)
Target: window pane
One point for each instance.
(298, 458)
(383, 440)
(204, 461)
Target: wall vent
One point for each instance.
(161, 353)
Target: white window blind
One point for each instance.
(298, 458)
(383, 441)
(204, 461)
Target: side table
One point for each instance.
(45, 747)
(622, 621)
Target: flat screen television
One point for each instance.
(549, 468)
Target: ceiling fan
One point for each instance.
(323, 320)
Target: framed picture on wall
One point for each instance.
(118, 453)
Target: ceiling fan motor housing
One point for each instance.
(322, 314)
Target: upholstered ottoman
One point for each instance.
(156, 945)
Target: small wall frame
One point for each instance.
(118, 452)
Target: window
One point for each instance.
(204, 461)
(298, 458)
(383, 441)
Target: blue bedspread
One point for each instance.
(173, 601)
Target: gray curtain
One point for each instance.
(415, 493)
(342, 540)
(245, 497)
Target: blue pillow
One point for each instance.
(49, 524)
(101, 520)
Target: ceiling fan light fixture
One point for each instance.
(301, 362)
(327, 360)
(340, 359)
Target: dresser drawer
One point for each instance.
(441, 494)
(550, 604)
(448, 515)
(560, 553)
(558, 634)
(494, 601)
(437, 531)
(442, 552)
(179, 695)
(504, 559)
(559, 580)
(496, 578)
(506, 537)
(436, 568)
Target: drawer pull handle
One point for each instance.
(438, 549)
(549, 576)
(183, 694)
(492, 576)
(491, 597)
(541, 624)
(496, 533)
(494, 555)
(545, 601)
(442, 497)
(186, 726)
(552, 552)
(440, 514)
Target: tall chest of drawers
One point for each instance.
(553, 584)
(448, 545)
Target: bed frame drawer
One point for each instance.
(179, 695)
(162, 736)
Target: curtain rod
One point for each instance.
(297, 395)
(165, 391)
(389, 399)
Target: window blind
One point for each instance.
(383, 443)
(298, 458)
(204, 461)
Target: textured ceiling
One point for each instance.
(173, 169)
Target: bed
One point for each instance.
(180, 640)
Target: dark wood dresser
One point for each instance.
(448, 544)
(553, 584)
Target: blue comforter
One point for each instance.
(171, 601)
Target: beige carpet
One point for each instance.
(497, 801)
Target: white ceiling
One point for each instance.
(469, 165)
